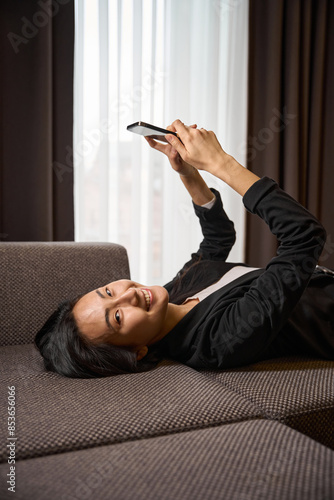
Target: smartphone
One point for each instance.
(148, 130)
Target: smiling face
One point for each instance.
(126, 313)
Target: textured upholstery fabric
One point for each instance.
(35, 277)
(296, 391)
(170, 433)
(243, 461)
(57, 414)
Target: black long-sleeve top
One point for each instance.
(244, 321)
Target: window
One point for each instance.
(155, 61)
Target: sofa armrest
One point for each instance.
(35, 277)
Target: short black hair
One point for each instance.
(67, 352)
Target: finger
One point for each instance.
(177, 144)
(156, 145)
(181, 129)
(151, 142)
(171, 128)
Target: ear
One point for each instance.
(142, 352)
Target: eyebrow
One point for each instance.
(109, 325)
(107, 319)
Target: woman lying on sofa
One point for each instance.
(213, 314)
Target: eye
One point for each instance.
(118, 317)
(108, 292)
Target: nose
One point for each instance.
(128, 297)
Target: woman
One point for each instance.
(213, 314)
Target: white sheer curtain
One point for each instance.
(155, 61)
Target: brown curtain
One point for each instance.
(36, 120)
(291, 110)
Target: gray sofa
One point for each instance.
(258, 432)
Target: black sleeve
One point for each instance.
(238, 332)
(218, 235)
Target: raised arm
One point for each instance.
(256, 314)
(246, 330)
(201, 149)
(217, 229)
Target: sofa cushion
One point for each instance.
(35, 277)
(296, 391)
(57, 414)
(249, 460)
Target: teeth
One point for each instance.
(147, 299)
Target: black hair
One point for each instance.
(67, 352)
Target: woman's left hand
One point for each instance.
(179, 165)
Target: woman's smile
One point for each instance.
(148, 297)
(127, 314)
(124, 313)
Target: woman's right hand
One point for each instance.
(199, 147)
(178, 164)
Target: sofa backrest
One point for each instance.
(36, 277)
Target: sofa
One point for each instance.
(264, 431)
